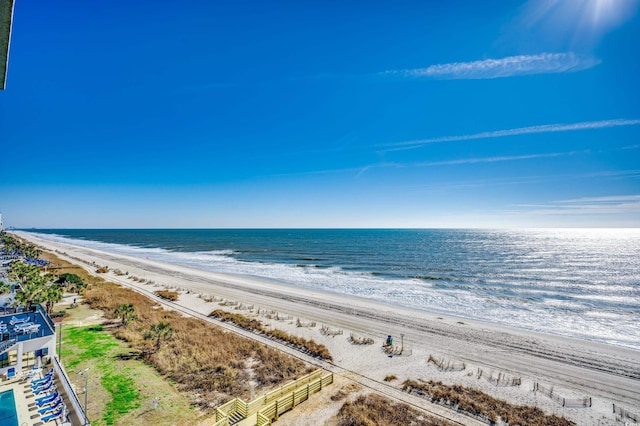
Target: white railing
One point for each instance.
(4, 346)
(77, 408)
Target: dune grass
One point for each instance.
(310, 346)
(199, 356)
(167, 295)
(375, 410)
(478, 403)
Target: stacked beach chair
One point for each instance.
(22, 325)
(48, 399)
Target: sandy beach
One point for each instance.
(484, 356)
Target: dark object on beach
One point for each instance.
(389, 341)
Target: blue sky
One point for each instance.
(322, 114)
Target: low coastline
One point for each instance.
(608, 374)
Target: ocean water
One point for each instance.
(582, 283)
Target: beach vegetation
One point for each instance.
(51, 295)
(199, 358)
(372, 409)
(390, 378)
(126, 312)
(308, 346)
(478, 403)
(167, 295)
(72, 282)
(159, 332)
(102, 270)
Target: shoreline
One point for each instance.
(607, 373)
(254, 280)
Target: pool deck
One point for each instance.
(25, 401)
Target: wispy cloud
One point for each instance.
(463, 161)
(493, 159)
(543, 63)
(545, 128)
(615, 204)
(611, 199)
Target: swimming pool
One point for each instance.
(8, 414)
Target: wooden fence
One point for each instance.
(624, 413)
(565, 402)
(273, 404)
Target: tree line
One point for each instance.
(34, 285)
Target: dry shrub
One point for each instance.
(375, 410)
(239, 320)
(390, 378)
(479, 403)
(167, 295)
(102, 270)
(309, 346)
(341, 394)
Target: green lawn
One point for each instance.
(121, 387)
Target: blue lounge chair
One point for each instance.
(54, 407)
(41, 385)
(48, 373)
(54, 415)
(11, 373)
(44, 389)
(44, 379)
(50, 402)
(43, 400)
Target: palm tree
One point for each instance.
(51, 295)
(4, 288)
(31, 292)
(23, 273)
(159, 331)
(126, 312)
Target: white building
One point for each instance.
(26, 338)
